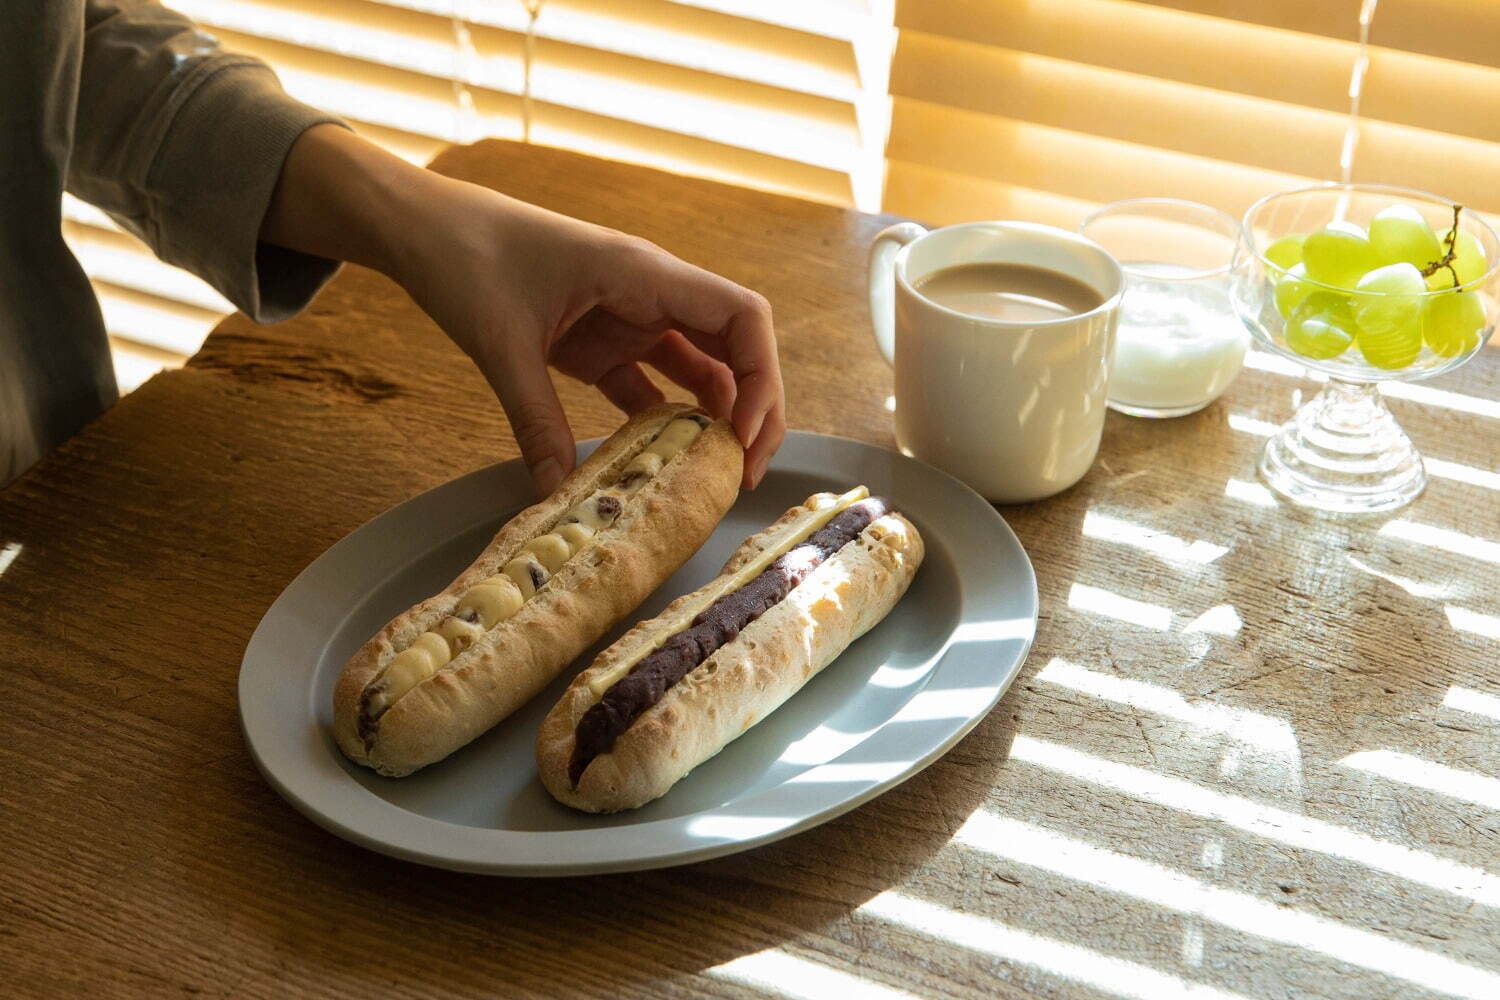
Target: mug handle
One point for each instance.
(888, 243)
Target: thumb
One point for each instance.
(537, 420)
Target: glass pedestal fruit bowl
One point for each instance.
(1364, 284)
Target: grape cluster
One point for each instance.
(1382, 276)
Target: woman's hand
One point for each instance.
(519, 288)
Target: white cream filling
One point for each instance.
(494, 599)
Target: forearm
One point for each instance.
(520, 288)
(344, 198)
(183, 143)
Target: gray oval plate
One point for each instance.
(897, 699)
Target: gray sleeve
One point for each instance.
(182, 143)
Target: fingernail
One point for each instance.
(746, 440)
(546, 474)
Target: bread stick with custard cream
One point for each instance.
(676, 690)
(553, 580)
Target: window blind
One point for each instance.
(1009, 108)
(784, 97)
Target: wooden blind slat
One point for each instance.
(707, 41)
(841, 19)
(120, 259)
(1080, 166)
(633, 142)
(173, 329)
(134, 364)
(1165, 44)
(1127, 106)
(1462, 30)
(940, 197)
(1439, 95)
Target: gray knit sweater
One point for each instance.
(133, 108)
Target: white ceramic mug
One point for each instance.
(1015, 409)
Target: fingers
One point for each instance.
(627, 387)
(760, 402)
(708, 380)
(758, 455)
(650, 286)
(601, 349)
(536, 418)
(708, 344)
(599, 342)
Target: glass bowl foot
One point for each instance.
(1344, 452)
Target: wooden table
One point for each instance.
(1251, 749)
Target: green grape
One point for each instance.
(1292, 289)
(1337, 256)
(1322, 327)
(1452, 323)
(1389, 299)
(1286, 252)
(1400, 235)
(1389, 313)
(1468, 261)
(1394, 349)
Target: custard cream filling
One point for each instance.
(825, 509)
(496, 598)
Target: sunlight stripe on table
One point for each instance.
(1473, 622)
(1220, 620)
(1262, 820)
(1255, 493)
(1426, 394)
(8, 555)
(1167, 547)
(1416, 588)
(1443, 538)
(1099, 601)
(1463, 473)
(1465, 786)
(786, 975)
(1069, 961)
(1028, 844)
(1246, 424)
(1464, 699)
(1264, 732)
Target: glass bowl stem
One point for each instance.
(1343, 451)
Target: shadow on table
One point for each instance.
(611, 933)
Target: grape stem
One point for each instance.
(1450, 243)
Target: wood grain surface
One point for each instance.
(1165, 801)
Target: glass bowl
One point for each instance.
(1344, 451)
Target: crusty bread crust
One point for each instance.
(742, 682)
(659, 529)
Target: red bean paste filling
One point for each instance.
(719, 623)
